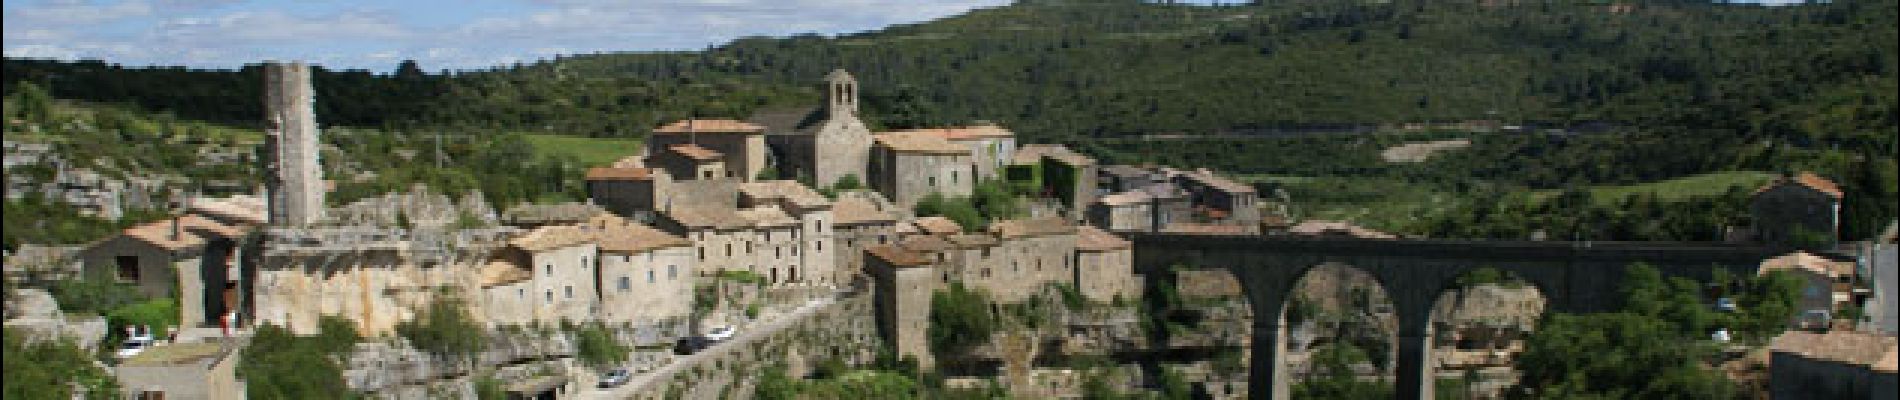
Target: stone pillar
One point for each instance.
(1267, 378)
(293, 175)
(1415, 373)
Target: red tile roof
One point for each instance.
(1808, 180)
(897, 256)
(695, 152)
(709, 126)
(618, 174)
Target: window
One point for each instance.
(128, 267)
(521, 293)
(702, 252)
(549, 270)
(626, 284)
(821, 246)
(672, 272)
(933, 181)
(649, 276)
(728, 249)
(550, 297)
(570, 292)
(953, 177)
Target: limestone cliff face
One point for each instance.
(1496, 305)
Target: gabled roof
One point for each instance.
(707, 217)
(1804, 261)
(767, 216)
(925, 243)
(242, 208)
(1867, 350)
(788, 120)
(501, 272)
(616, 234)
(913, 142)
(897, 256)
(852, 210)
(961, 133)
(619, 174)
(1034, 153)
(972, 240)
(708, 126)
(938, 226)
(694, 152)
(1016, 228)
(1089, 238)
(789, 190)
(552, 237)
(1808, 180)
(183, 232)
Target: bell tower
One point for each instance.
(842, 95)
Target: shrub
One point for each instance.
(444, 329)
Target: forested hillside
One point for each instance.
(1687, 87)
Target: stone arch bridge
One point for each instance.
(1573, 276)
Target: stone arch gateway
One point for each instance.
(1573, 276)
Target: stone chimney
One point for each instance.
(295, 180)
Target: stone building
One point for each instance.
(560, 261)
(1038, 252)
(1104, 266)
(861, 218)
(606, 269)
(294, 177)
(1220, 201)
(1058, 173)
(824, 143)
(182, 371)
(1198, 201)
(1832, 365)
(1827, 285)
(1130, 211)
(908, 166)
(195, 258)
(739, 145)
(691, 161)
(626, 188)
(1802, 208)
(990, 145)
(903, 282)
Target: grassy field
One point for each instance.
(1679, 188)
(591, 151)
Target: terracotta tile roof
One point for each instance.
(1126, 198)
(694, 152)
(552, 237)
(616, 234)
(1808, 180)
(974, 132)
(792, 191)
(1033, 153)
(1089, 238)
(925, 243)
(857, 211)
(972, 240)
(938, 226)
(1215, 181)
(1017, 228)
(501, 272)
(1869, 350)
(1205, 229)
(707, 217)
(629, 162)
(1803, 261)
(709, 126)
(896, 256)
(191, 231)
(619, 174)
(767, 216)
(1337, 228)
(242, 208)
(912, 142)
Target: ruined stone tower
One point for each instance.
(295, 180)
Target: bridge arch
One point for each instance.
(1573, 277)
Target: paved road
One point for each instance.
(747, 335)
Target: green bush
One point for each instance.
(959, 320)
(51, 369)
(281, 365)
(157, 314)
(444, 329)
(598, 347)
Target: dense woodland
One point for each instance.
(1666, 89)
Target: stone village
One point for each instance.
(695, 209)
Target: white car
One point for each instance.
(133, 346)
(721, 334)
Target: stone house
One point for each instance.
(1104, 266)
(607, 269)
(814, 234)
(824, 143)
(906, 167)
(691, 162)
(561, 272)
(1038, 252)
(1130, 211)
(740, 144)
(183, 371)
(860, 221)
(991, 146)
(764, 240)
(1057, 173)
(1828, 284)
(645, 275)
(1795, 208)
(1218, 200)
(903, 282)
(626, 189)
(195, 258)
(1832, 365)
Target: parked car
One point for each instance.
(721, 334)
(614, 378)
(133, 346)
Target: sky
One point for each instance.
(438, 34)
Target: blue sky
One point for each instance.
(440, 34)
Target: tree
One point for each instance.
(959, 320)
(597, 347)
(50, 369)
(444, 329)
(281, 365)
